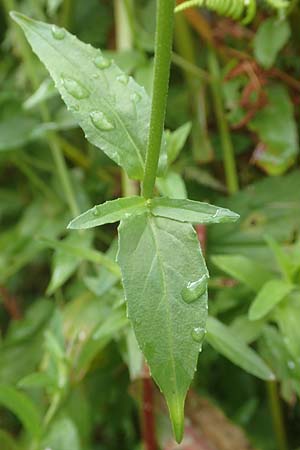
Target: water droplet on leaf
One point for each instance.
(123, 79)
(136, 97)
(101, 121)
(58, 33)
(101, 62)
(95, 211)
(74, 88)
(193, 290)
(198, 334)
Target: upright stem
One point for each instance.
(228, 152)
(278, 423)
(162, 62)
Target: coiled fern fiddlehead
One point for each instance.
(243, 10)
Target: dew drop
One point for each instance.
(74, 108)
(291, 365)
(193, 290)
(95, 211)
(136, 97)
(58, 33)
(101, 62)
(100, 121)
(198, 334)
(74, 88)
(123, 79)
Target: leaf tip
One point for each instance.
(18, 17)
(176, 409)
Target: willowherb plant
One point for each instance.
(163, 271)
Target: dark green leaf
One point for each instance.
(22, 407)
(164, 277)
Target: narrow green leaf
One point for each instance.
(247, 271)
(109, 212)
(229, 344)
(273, 292)
(191, 211)
(22, 407)
(84, 253)
(176, 141)
(165, 281)
(171, 185)
(111, 108)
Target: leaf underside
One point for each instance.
(111, 108)
(158, 258)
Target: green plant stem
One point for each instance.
(162, 62)
(66, 14)
(228, 152)
(57, 154)
(278, 423)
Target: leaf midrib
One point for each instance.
(115, 114)
(169, 314)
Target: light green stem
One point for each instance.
(162, 62)
(228, 152)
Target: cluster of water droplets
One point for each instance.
(190, 293)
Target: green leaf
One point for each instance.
(273, 292)
(176, 141)
(171, 185)
(88, 254)
(165, 281)
(16, 132)
(7, 441)
(111, 108)
(109, 212)
(65, 264)
(270, 38)
(245, 270)
(22, 407)
(276, 127)
(62, 435)
(190, 211)
(230, 345)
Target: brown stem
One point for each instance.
(10, 303)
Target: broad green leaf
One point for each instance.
(287, 316)
(283, 259)
(271, 36)
(176, 141)
(111, 108)
(273, 292)
(165, 281)
(109, 212)
(229, 344)
(190, 211)
(245, 270)
(22, 407)
(36, 380)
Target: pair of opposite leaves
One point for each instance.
(163, 270)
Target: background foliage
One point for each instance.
(71, 373)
